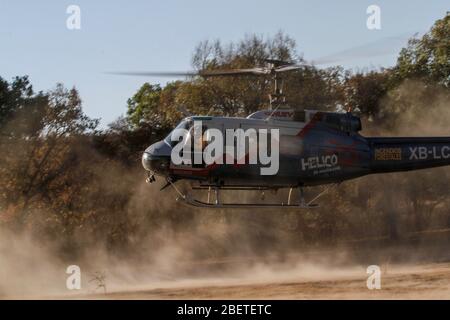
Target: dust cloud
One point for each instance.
(416, 108)
(159, 243)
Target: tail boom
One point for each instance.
(403, 154)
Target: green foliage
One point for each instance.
(427, 58)
(144, 106)
(13, 96)
(18, 102)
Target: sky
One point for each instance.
(161, 35)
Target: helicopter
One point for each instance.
(313, 148)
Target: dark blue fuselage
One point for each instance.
(318, 154)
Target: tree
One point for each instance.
(144, 106)
(18, 102)
(35, 162)
(429, 57)
(312, 88)
(214, 96)
(239, 95)
(13, 96)
(363, 91)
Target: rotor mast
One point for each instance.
(277, 97)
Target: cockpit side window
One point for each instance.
(182, 125)
(193, 135)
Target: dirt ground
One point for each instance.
(430, 281)
(411, 270)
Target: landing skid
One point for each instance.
(217, 204)
(197, 203)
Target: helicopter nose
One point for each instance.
(155, 164)
(157, 158)
(147, 161)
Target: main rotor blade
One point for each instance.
(234, 72)
(289, 68)
(174, 74)
(204, 73)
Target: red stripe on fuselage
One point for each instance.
(202, 172)
(311, 124)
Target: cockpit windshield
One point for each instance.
(184, 124)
